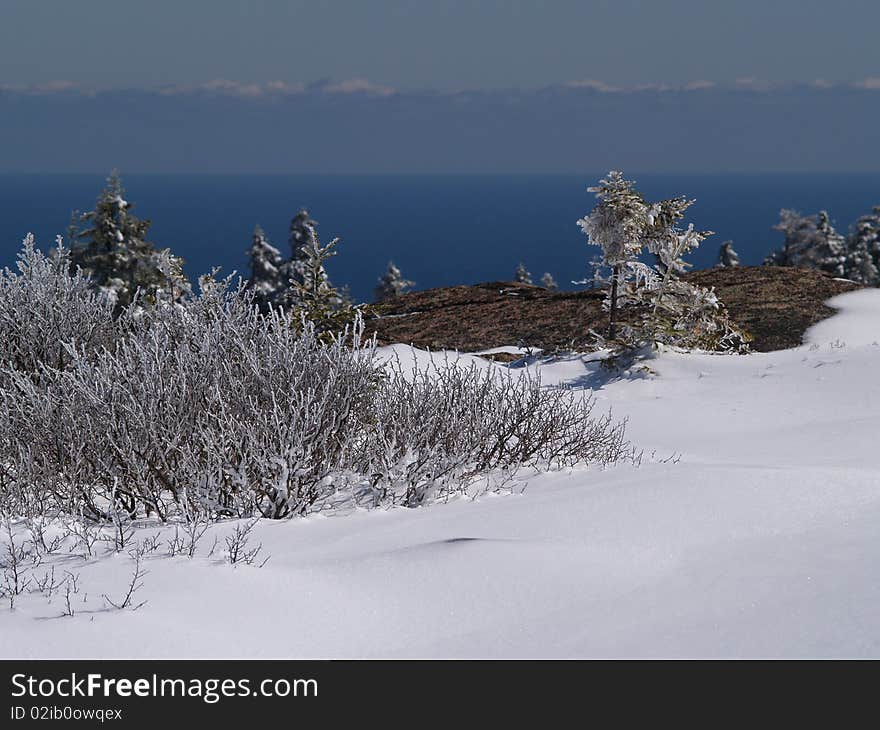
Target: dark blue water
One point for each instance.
(440, 230)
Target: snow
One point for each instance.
(758, 540)
(861, 325)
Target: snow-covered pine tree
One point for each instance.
(869, 225)
(810, 242)
(671, 310)
(316, 299)
(294, 272)
(113, 251)
(548, 282)
(664, 238)
(859, 264)
(863, 249)
(391, 284)
(796, 230)
(266, 280)
(303, 237)
(829, 251)
(678, 312)
(522, 274)
(728, 258)
(617, 224)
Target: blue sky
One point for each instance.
(442, 44)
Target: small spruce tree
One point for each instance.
(391, 284)
(548, 282)
(869, 229)
(110, 245)
(728, 258)
(796, 230)
(266, 280)
(811, 242)
(829, 251)
(668, 309)
(303, 238)
(522, 274)
(304, 242)
(316, 299)
(863, 249)
(616, 224)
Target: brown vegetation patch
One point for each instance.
(775, 304)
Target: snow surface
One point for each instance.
(760, 541)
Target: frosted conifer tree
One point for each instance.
(869, 227)
(810, 242)
(672, 311)
(304, 243)
(664, 238)
(522, 274)
(797, 230)
(863, 249)
(316, 299)
(677, 312)
(391, 284)
(266, 280)
(859, 262)
(113, 252)
(617, 224)
(303, 238)
(728, 258)
(829, 251)
(548, 282)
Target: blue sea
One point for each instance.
(439, 229)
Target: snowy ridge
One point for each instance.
(760, 541)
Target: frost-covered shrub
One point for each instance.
(207, 407)
(49, 318)
(209, 404)
(44, 310)
(438, 429)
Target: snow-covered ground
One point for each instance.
(760, 541)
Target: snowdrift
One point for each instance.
(757, 540)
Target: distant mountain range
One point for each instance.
(356, 126)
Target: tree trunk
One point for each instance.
(612, 313)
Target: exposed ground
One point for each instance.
(775, 304)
